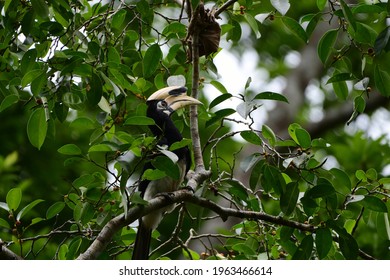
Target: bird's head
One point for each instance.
(162, 104)
(169, 99)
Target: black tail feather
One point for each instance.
(142, 242)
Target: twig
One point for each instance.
(224, 7)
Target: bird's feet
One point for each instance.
(167, 195)
(188, 188)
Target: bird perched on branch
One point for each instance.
(161, 105)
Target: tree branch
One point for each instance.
(7, 254)
(224, 7)
(199, 164)
(183, 195)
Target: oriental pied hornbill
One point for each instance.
(161, 105)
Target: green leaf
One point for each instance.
(341, 180)
(244, 249)
(190, 254)
(31, 76)
(340, 77)
(166, 165)
(305, 249)
(55, 209)
(139, 120)
(359, 104)
(153, 174)
(4, 224)
(382, 81)
(172, 53)
(117, 90)
(251, 137)
(295, 28)
(286, 233)
(253, 24)
(100, 148)
(118, 18)
(27, 208)
(113, 55)
(82, 123)
(367, 8)
(176, 28)
(321, 4)
(151, 60)
(180, 144)
(237, 190)
(313, 24)
(8, 101)
(74, 248)
(37, 128)
(383, 225)
(248, 83)
(291, 131)
(63, 252)
(249, 161)
(348, 14)
(219, 100)
(382, 42)
(348, 246)
(83, 181)
(40, 8)
(326, 44)
(319, 143)
(13, 199)
(289, 198)
(95, 93)
(219, 86)
(219, 115)
(268, 134)
(374, 203)
(372, 174)
(235, 32)
(70, 150)
(341, 89)
(365, 34)
(255, 174)
(271, 96)
(272, 179)
(323, 242)
(322, 189)
(87, 213)
(38, 84)
(137, 199)
(303, 137)
(361, 175)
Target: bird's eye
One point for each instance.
(162, 105)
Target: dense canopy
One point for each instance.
(293, 165)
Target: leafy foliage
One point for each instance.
(73, 83)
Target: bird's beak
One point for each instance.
(163, 93)
(180, 101)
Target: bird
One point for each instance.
(160, 106)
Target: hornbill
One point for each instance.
(161, 105)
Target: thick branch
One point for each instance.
(7, 254)
(184, 195)
(194, 92)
